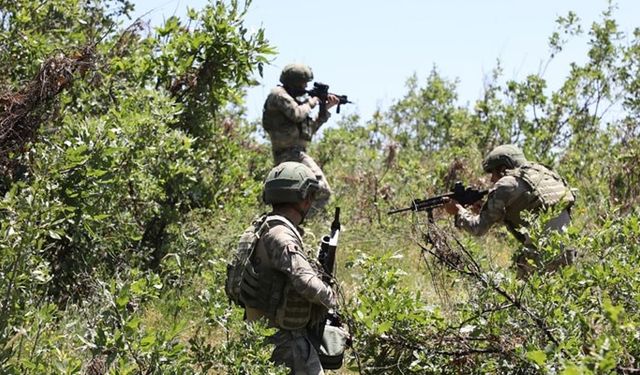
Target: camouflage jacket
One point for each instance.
(279, 256)
(525, 188)
(288, 122)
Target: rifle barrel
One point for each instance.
(397, 210)
(463, 196)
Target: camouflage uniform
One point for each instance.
(281, 262)
(290, 127)
(528, 187)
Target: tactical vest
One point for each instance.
(547, 189)
(269, 290)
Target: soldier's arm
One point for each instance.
(492, 211)
(304, 279)
(323, 116)
(289, 107)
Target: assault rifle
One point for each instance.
(321, 91)
(464, 196)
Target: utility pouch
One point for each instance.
(306, 132)
(330, 346)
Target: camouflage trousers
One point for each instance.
(297, 154)
(294, 350)
(528, 261)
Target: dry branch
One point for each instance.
(460, 260)
(24, 111)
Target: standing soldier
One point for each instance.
(280, 284)
(519, 185)
(286, 117)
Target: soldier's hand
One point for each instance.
(313, 101)
(332, 100)
(476, 207)
(452, 206)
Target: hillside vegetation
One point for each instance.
(129, 169)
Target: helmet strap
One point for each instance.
(301, 211)
(498, 172)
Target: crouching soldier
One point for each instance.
(519, 185)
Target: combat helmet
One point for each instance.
(295, 75)
(509, 156)
(289, 182)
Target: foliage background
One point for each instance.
(129, 169)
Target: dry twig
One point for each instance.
(24, 111)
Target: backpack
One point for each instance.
(240, 259)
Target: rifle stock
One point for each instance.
(328, 246)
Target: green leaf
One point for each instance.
(133, 324)
(139, 286)
(54, 235)
(123, 299)
(148, 340)
(612, 311)
(96, 172)
(384, 327)
(571, 370)
(537, 356)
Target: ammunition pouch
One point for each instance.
(264, 292)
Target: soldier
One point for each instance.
(281, 285)
(286, 118)
(519, 185)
